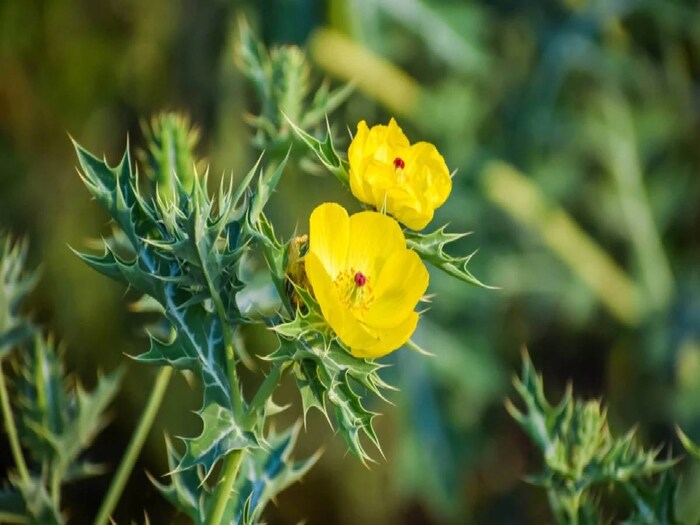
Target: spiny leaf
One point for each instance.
(87, 418)
(41, 399)
(186, 488)
(325, 152)
(579, 453)
(15, 284)
(185, 254)
(264, 189)
(39, 507)
(431, 248)
(264, 474)
(57, 423)
(655, 502)
(170, 158)
(281, 79)
(275, 254)
(220, 435)
(326, 376)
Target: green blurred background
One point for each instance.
(575, 129)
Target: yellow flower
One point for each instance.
(407, 181)
(364, 278)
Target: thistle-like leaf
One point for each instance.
(15, 284)
(655, 502)
(580, 453)
(170, 158)
(186, 488)
(431, 248)
(87, 418)
(281, 79)
(57, 423)
(264, 473)
(220, 435)
(327, 377)
(325, 152)
(39, 508)
(42, 400)
(184, 254)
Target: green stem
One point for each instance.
(56, 487)
(135, 446)
(225, 486)
(12, 430)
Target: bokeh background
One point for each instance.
(574, 127)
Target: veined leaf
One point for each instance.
(186, 488)
(185, 255)
(327, 376)
(431, 248)
(220, 435)
(325, 152)
(265, 472)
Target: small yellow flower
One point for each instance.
(364, 278)
(407, 181)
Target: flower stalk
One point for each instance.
(135, 445)
(232, 464)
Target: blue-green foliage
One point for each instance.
(580, 455)
(264, 473)
(15, 284)
(184, 253)
(281, 78)
(56, 420)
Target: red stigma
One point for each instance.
(399, 163)
(360, 279)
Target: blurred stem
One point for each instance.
(56, 487)
(135, 445)
(7, 517)
(620, 148)
(524, 201)
(225, 486)
(373, 75)
(12, 430)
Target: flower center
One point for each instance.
(354, 290)
(399, 164)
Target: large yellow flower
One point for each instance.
(386, 171)
(364, 278)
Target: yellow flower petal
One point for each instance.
(373, 240)
(366, 282)
(339, 318)
(386, 171)
(329, 231)
(389, 340)
(400, 285)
